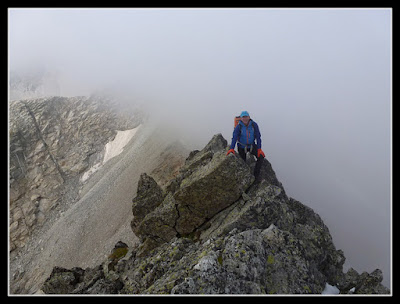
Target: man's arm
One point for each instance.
(235, 137)
(257, 134)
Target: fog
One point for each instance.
(317, 81)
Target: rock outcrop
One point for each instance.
(53, 141)
(194, 196)
(214, 230)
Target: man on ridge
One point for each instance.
(246, 134)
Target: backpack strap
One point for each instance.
(240, 127)
(240, 132)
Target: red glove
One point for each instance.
(231, 151)
(260, 152)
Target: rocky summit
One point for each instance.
(214, 230)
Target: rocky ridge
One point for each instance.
(213, 230)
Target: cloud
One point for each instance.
(318, 83)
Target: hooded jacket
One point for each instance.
(246, 136)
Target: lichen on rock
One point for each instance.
(215, 231)
(208, 183)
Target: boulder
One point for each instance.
(148, 196)
(210, 189)
(62, 280)
(209, 182)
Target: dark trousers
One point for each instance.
(253, 151)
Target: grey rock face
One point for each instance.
(217, 232)
(149, 196)
(52, 142)
(209, 182)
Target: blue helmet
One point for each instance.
(244, 113)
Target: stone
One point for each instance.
(205, 236)
(45, 205)
(28, 208)
(366, 283)
(149, 196)
(17, 214)
(13, 226)
(14, 195)
(214, 186)
(62, 281)
(209, 182)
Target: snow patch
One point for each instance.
(89, 172)
(112, 149)
(115, 147)
(329, 290)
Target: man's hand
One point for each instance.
(260, 152)
(231, 151)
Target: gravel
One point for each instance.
(84, 235)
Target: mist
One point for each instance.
(317, 82)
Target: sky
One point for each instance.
(317, 81)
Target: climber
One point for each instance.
(245, 134)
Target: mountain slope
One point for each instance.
(85, 217)
(52, 142)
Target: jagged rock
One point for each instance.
(309, 227)
(149, 196)
(209, 182)
(212, 187)
(258, 242)
(98, 280)
(254, 261)
(80, 281)
(366, 283)
(62, 280)
(159, 225)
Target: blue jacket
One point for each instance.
(246, 136)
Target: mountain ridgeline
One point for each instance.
(213, 230)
